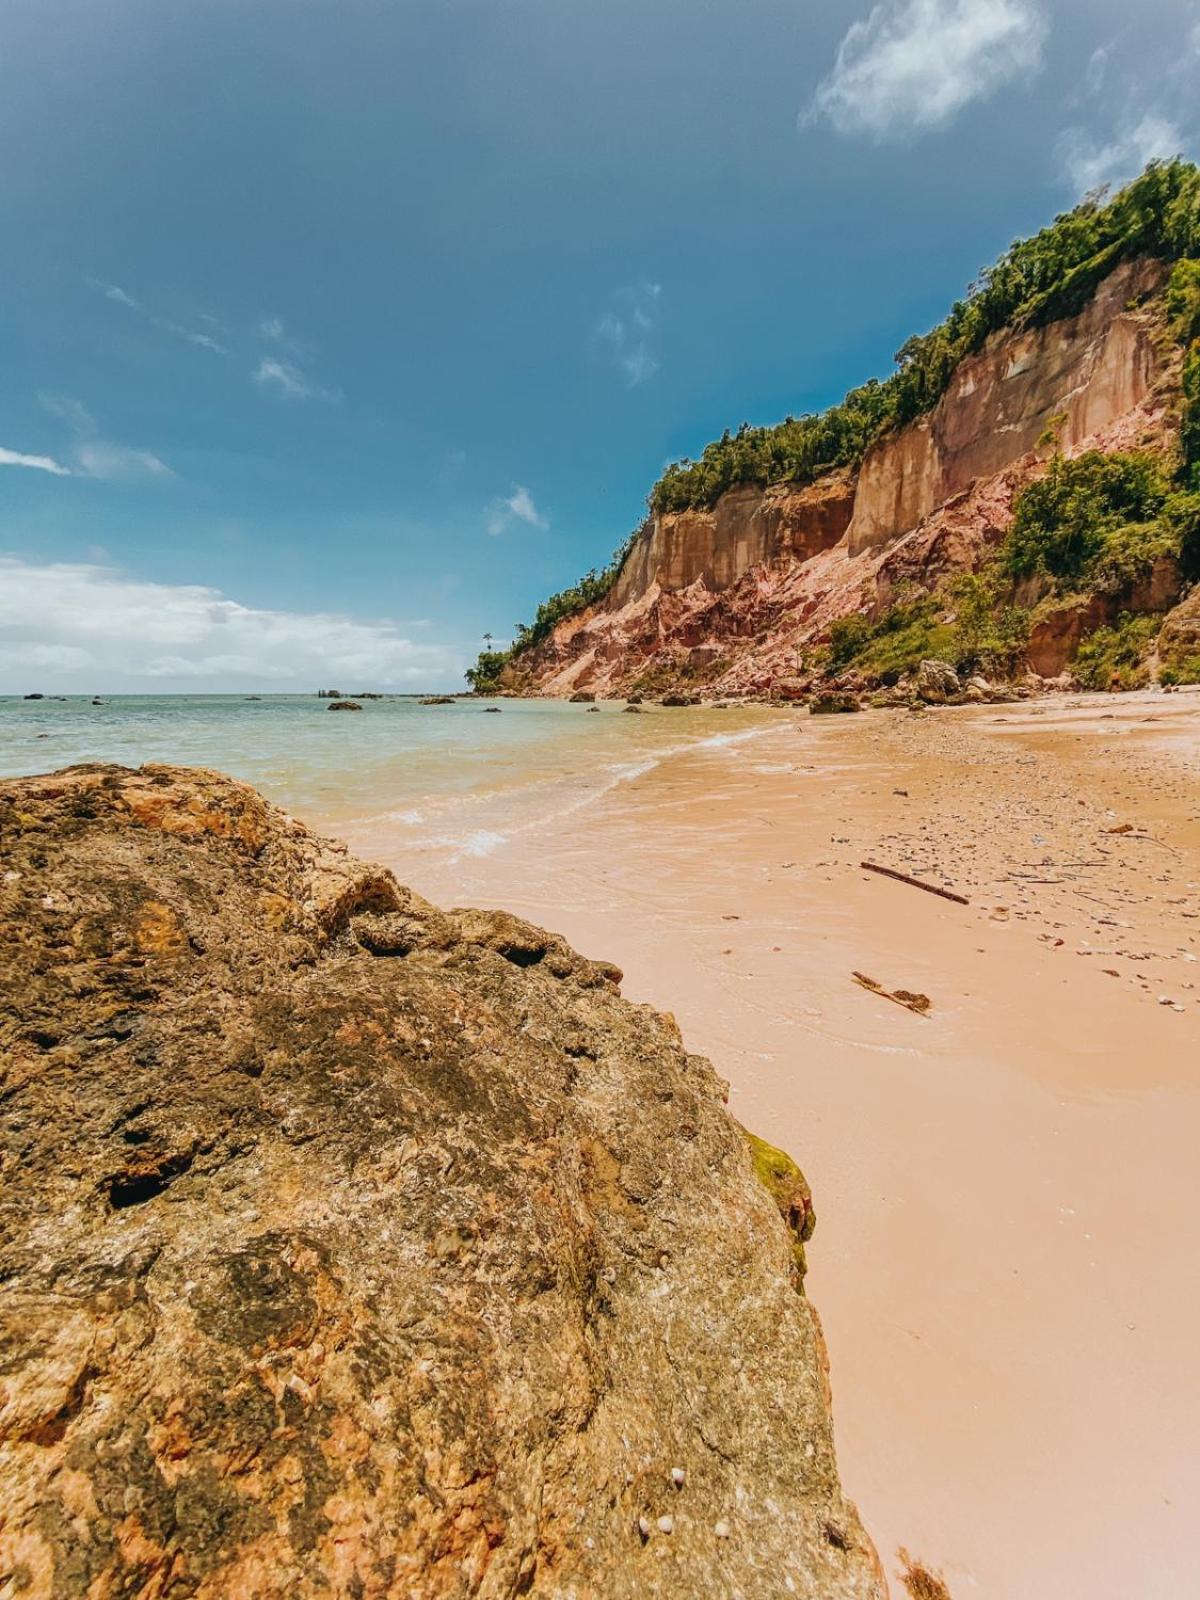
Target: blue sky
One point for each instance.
(336, 335)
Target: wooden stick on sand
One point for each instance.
(903, 877)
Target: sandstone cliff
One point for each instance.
(728, 597)
(355, 1248)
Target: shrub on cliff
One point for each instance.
(487, 673)
(1116, 655)
(484, 677)
(968, 624)
(1093, 521)
(1101, 522)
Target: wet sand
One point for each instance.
(1007, 1187)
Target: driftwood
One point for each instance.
(903, 877)
(920, 1003)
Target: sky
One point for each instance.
(336, 334)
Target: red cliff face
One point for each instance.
(729, 596)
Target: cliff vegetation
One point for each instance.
(486, 675)
(1036, 281)
(1093, 526)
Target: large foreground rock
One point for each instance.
(353, 1248)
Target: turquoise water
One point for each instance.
(443, 772)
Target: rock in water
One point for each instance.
(355, 1248)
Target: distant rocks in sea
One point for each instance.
(330, 694)
(493, 711)
(438, 700)
(35, 697)
(344, 705)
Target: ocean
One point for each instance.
(449, 778)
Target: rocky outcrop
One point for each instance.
(730, 598)
(748, 527)
(1072, 379)
(1179, 641)
(351, 1247)
(936, 682)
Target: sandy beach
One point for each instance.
(1006, 1185)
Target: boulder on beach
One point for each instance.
(581, 697)
(833, 702)
(936, 682)
(353, 1247)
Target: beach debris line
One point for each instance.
(920, 1003)
(916, 883)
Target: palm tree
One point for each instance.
(487, 639)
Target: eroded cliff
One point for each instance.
(355, 1248)
(729, 597)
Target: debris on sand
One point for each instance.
(916, 883)
(920, 1003)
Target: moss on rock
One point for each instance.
(788, 1187)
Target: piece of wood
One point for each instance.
(916, 883)
(920, 1003)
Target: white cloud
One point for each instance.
(203, 341)
(1089, 163)
(94, 457)
(290, 383)
(16, 458)
(112, 291)
(1097, 69)
(69, 410)
(629, 332)
(95, 627)
(912, 65)
(272, 328)
(1145, 113)
(518, 506)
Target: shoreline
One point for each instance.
(1003, 1186)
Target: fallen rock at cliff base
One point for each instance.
(833, 702)
(936, 682)
(357, 1248)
